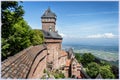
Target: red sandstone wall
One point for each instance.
(28, 63)
(62, 61)
(66, 71)
(75, 68)
(54, 52)
(38, 66)
(45, 26)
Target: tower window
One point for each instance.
(50, 28)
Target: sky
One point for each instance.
(93, 23)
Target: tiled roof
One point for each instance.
(68, 62)
(49, 13)
(51, 35)
(19, 65)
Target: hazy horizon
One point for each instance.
(98, 42)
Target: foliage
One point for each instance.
(37, 37)
(59, 75)
(11, 14)
(106, 73)
(16, 33)
(87, 58)
(78, 57)
(46, 74)
(93, 69)
(115, 71)
(43, 77)
(103, 63)
(44, 71)
(73, 76)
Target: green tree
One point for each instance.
(18, 39)
(16, 33)
(106, 72)
(87, 58)
(78, 57)
(104, 63)
(93, 69)
(37, 37)
(12, 12)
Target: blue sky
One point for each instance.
(78, 22)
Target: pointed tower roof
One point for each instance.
(48, 13)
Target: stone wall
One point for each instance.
(75, 68)
(53, 53)
(46, 26)
(25, 63)
(54, 48)
(62, 58)
(38, 66)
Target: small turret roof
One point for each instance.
(48, 13)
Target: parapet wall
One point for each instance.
(29, 63)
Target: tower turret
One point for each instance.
(48, 20)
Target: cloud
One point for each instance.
(62, 34)
(105, 35)
(68, 36)
(95, 36)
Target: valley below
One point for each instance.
(107, 53)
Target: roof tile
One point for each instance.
(48, 13)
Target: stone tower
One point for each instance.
(48, 20)
(53, 40)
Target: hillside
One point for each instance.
(94, 66)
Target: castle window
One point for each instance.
(50, 28)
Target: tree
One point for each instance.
(16, 33)
(115, 71)
(104, 63)
(93, 69)
(78, 57)
(106, 72)
(87, 58)
(11, 13)
(37, 37)
(18, 39)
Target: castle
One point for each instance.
(31, 62)
(57, 57)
